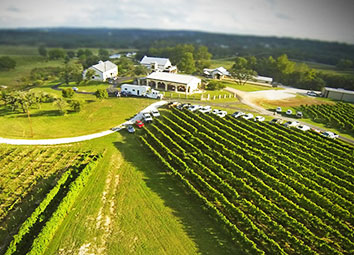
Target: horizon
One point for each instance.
(323, 20)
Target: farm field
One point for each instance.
(277, 190)
(339, 116)
(27, 175)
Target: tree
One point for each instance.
(76, 105)
(101, 93)
(56, 54)
(240, 71)
(61, 104)
(89, 74)
(42, 51)
(202, 58)
(68, 93)
(7, 63)
(71, 54)
(140, 70)
(72, 72)
(103, 54)
(344, 64)
(187, 63)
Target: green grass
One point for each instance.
(145, 210)
(90, 86)
(95, 116)
(226, 63)
(329, 69)
(248, 87)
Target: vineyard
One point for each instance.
(339, 116)
(34, 183)
(276, 190)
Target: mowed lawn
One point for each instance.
(96, 115)
(132, 206)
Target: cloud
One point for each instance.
(317, 19)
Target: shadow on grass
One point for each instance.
(209, 235)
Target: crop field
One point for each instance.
(32, 181)
(339, 115)
(277, 190)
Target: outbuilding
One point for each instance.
(338, 94)
(103, 71)
(217, 73)
(156, 64)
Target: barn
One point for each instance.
(338, 94)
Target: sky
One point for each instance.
(328, 20)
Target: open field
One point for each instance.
(248, 87)
(256, 187)
(226, 63)
(96, 116)
(330, 69)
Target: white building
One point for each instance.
(158, 64)
(263, 79)
(217, 73)
(103, 71)
(115, 56)
(338, 94)
(172, 81)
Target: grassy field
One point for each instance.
(26, 59)
(90, 86)
(248, 87)
(330, 69)
(226, 63)
(131, 205)
(96, 116)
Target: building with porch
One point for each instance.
(217, 73)
(172, 82)
(103, 71)
(158, 64)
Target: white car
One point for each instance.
(194, 108)
(292, 124)
(289, 112)
(147, 117)
(278, 109)
(221, 114)
(330, 134)
(312, 93)
(215, 111)
(205, 109)
(155, 113)
(299, 115)
(237, 114)
(248, 116)
(259, 118)
(303, 127)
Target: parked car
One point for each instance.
(139, 123)
(278, 110)
(215, 111)
(248, 116)
(276, 121)
(289, 112)
(75, 88)
(237, 114)
(259, 118)
(205, 109)
(173, 104)
(194, 108)
(303, 127)
(147, 117)
(221, 114)
(182, 106)
(155, 113)
(312, 93)
(130, 129)
(330, 134)
(299, 115)
(291, 124)
(316, 130)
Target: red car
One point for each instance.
(139, 124)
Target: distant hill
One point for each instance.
(220, 45)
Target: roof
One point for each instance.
(160, 61)
(220, 70)
(172, 77)
(340, 90)
(104, 66)
(264, 78)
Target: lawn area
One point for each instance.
(248, 87)
(131, 205)
(197, 96)
(91, 86)
(330, 69)
(95, 116)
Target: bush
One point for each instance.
(76, 105)
(7, 63)
(101, 93)
(68, 93)
(215, 85)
